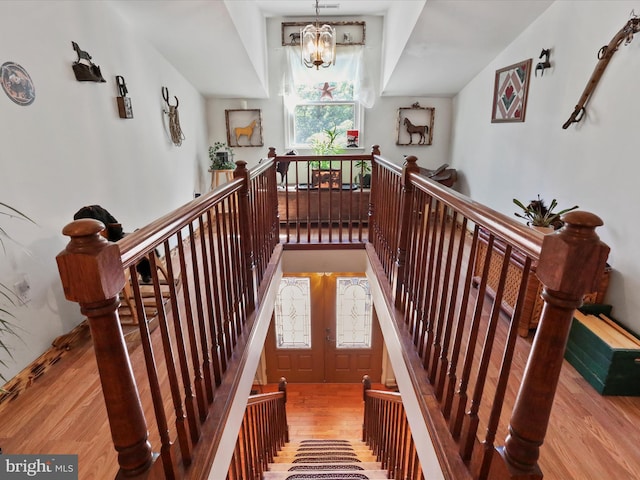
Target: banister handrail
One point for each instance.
(134, 245)
(263, 432)
(385, 429)
(204, 329)
(428, 255)
(417, 223)
(259, 398)
(388, 396)
(526, 239)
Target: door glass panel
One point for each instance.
(353, 313)
(293, 313)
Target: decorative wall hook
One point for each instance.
(124, 103)
(84, 69)
(546, 52)
(174, 120)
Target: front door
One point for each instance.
(324, 329)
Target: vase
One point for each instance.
(543, 230)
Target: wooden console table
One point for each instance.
(323, 205)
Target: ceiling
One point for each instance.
(431, 47)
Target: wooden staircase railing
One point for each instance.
(386, 431)
(424, 240)
(323, 206)
(263, 432)
(220, 252)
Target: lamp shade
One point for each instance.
(318, 45)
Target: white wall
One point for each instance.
(379, 124)
(69, 149)
(592, 163)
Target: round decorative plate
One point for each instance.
(17, 84)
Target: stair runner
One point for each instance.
(325, 460)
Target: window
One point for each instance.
(319, 100)
(353, 313)
(293, 313)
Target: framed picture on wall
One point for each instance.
(244, 128)
(510, 92)
(415, 125)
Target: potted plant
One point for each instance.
(322, 175)
(221, 157)
(363, 177)
(539, 216)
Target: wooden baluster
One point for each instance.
(405, 212)
(282, 387)
(375, 150)
(272, 199)
(92, 275)
(245, 233)
(366, 385)
(575, 248)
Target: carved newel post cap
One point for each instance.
(90, 267)
(575, 247)
(272, 152)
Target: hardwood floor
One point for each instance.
(590, 437)
(314, 411)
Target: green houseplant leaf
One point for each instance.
(537, 214)
(221, 157)
(8, 298)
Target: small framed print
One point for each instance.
(244, 128)
(415, 125)
(510, 92)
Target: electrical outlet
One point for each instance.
(23, 290)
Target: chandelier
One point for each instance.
(318, 44)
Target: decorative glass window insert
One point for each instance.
(293, 313)
(353, 313)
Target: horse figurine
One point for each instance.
(295, 38)
(421, 130)
(245, 131)
(84, 69)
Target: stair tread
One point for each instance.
(337, 475)
(280, 467)
(323, 458)
(328, 459)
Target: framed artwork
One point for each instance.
(510, 93)
(244, 128)
(347, 33)
(415, 125)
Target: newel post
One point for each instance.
(92, 275)
(246, 236)
(571, 262)
(406, 202)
